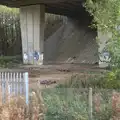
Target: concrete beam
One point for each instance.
(32, 20)
(104, 55)
(18, 3)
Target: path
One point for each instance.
(58, 73)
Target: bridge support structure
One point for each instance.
(32, 20)
(104, 55)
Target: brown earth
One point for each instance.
(57, 73)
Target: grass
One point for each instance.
(65, 104)
(85, 80)
(72, 104)
(69, 101)
(10, 61)
(15, 108)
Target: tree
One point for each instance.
(9, 31)
(106, 18)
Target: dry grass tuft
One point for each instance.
(15, 108)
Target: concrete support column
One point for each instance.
(32, 19)
(103, 38)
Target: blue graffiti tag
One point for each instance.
(36, 55)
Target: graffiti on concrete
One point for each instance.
(30, 54)
(30, 51)
(36, 55)
(41, 59)
(105, 56)
(41, 55)
(25, 56)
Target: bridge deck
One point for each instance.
(63, 7)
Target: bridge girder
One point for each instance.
(62, 7)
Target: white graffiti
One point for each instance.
(25, 56)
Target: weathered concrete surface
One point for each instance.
(32, 20)
(103, 38)
(63, 7)
(74, 39)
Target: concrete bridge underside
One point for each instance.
(32, 18)
(61, 7)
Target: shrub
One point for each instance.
(16, 108)
(10, 61)
(65, 104)
(10, 37)
(107, 80)
(85, 80)
(10, 33)
(112, 80)
(68, 101)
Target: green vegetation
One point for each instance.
(10, 33)
(69, 101)
(10, 61)
(62, 104)
(10, 36)
(106, 14)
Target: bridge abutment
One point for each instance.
(32, 20)
(103, 53)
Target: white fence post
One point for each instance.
(14, 83)
(11, 77)
(20, 83)
(90, 104)
(26, 87)
(3, 88)
(17, 85)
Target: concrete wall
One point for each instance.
(51, 45)
(32, 20)
(102, 41)
(74, 38)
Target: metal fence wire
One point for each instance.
(14, 84)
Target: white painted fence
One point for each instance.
(15, 84)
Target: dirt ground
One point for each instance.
(57, 73)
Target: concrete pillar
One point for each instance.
(32, 19)
(103, 38)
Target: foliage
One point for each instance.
(64, 106)
(84, 81)
(10, 36)
(68, 103)
(112, 79)
(102, 105)
(10, 33)
(105, 14)
(10, 61)
(114, 50)
(15, 108)
(106, 19)
(106, 80)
